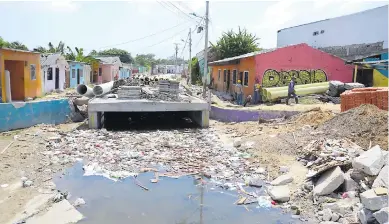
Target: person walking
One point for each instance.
(239, 93)
(256, 91)
(291, 91)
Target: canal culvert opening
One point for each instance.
(117, 121)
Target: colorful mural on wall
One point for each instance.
(273, 78)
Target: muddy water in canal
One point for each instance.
(170, 201)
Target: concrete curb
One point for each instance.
(231, 115)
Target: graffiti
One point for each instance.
(272, 78)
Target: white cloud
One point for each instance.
(278, 14)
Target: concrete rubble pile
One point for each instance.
(349, 185)
(129, 92)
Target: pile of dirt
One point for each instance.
(364, 124)
(313, 117)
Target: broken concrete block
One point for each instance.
(343, 206)
(279, 193)
(237, 143)
(349, 184)
(385, 155)
(329, 181)
(372, 201)
(329, 222)
(282, 180)
(335, 217)
(327, 214)
(382, 178)
(382, 215)
(365, 216)
(370, 162)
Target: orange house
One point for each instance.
(227, 72)
(24, 68)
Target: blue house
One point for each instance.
(76, 73)
(125, 71)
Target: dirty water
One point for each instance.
(170, 201)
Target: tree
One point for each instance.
(195, 72)
(124, 55)
(13, 45)
(51, 49)
(233, 44)
(78, 55)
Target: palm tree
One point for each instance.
(78, 55)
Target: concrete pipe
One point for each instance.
(103, 88)
(85, 90)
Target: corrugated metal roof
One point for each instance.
(10, 49)
(110, 60)
(243, 56)
(49, 59)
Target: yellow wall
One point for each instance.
(379, 80)
(32, 88)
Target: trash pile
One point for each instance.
(117, 155)
(348, 185)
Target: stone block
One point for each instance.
(370, 162)
(279, 193)
(349, 184)
(342, 206)
(282, 180)
(372, 201)
(382, 215)
(382, 178)
(365, 216)
(329, 181)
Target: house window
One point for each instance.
(218, 74)
(50, 73)
(32, 72)
(224, 75)
(233, 76)
(322, 31)
(240, 76)
(73, 73)
(246, 79)
(315, 33)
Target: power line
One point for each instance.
(163, 4)
(181, 11)
(167, 38)
(202, 36)
(186, 41)
(141, 38)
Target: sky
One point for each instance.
(101, 25)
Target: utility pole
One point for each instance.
(190, 56)
(175, 62)
(206, 49)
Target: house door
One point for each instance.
(365, 76)
(228, 80)
(57, 78)
(78, 76)
(16, 70)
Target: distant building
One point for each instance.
(110, 67)
(54, 67)
(170, 69)
(24, 69)
(368, 26)
(276, 67)
(200, 57)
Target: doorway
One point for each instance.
(57, 78)
(228, 80)
(78, 76)
(16, 70)
(365, 76)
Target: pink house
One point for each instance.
(109, 68)
(307, 64)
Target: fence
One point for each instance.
(356, 97)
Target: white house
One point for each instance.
(369, 26)
(53, 71)
(87, 74)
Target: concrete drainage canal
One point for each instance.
(172, 173)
